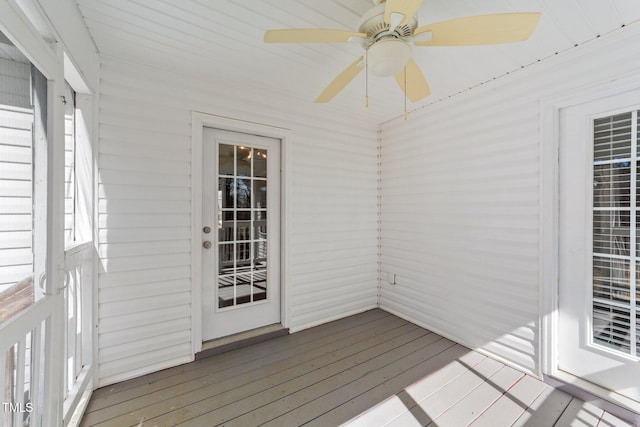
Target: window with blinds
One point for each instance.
(616, 232)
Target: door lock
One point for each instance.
(206, 244)
(206, 230)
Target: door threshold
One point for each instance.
(241, 339)
(612, 402)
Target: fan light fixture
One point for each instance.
(387, 57)
(389, 30)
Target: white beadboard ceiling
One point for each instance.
(221, 40)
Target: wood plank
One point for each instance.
(275, 350)
(512, 404)
(389, 371)
(291, 391)
(311, 404)
(395, 406)
(337, 329)
(286, 346)
(15, 299)
(610, 420)
(546, 409)
(580, 414)
(228, 385)
(249, 380)
(380, 414)
(395, 385)
(438, 403)
(480, 399)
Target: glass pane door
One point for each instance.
(242, 225)
(615, 233)
(240, 232)
(598, 247)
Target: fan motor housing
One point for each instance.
(373, 25)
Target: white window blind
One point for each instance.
(616, 234)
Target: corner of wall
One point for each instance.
(379, 214)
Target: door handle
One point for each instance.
(206, 244)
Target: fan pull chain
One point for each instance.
(366, 78)
(405, 93)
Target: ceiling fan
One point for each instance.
(386, 31)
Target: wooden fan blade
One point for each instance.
(479, 30)
(417, 86)
(340, 82)
(408, 8)
(310, 35)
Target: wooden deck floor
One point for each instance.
(371, 369)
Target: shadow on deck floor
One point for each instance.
(370, 369)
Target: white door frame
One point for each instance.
(198, 122)
(549, 233)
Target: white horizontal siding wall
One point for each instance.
(460, 202)
(16, 119)
(15, 83)
(145, 211)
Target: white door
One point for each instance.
(599, 253)
(241, 232)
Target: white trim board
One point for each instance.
(22, 33)
(198, 122)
